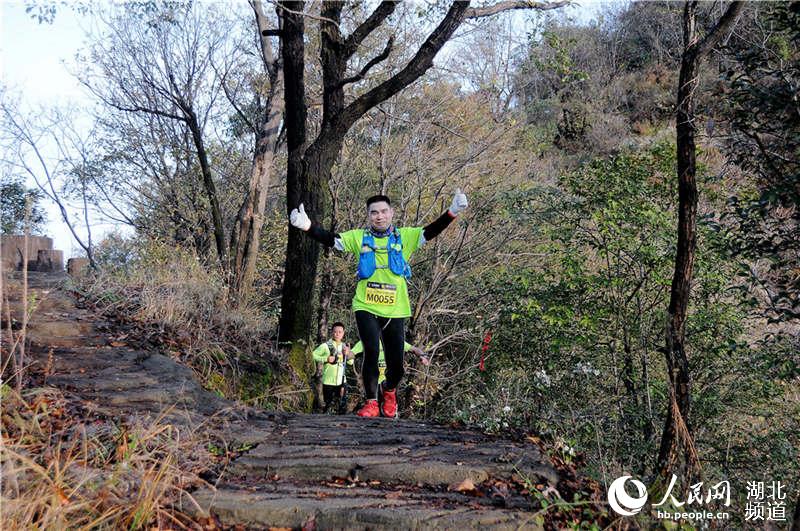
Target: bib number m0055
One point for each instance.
(381, 294)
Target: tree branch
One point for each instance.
(232, 99)
(157, 112)
(377, 59)
(418, 65)
(284, 6)
(724, 25)
(487, 11)
(377, 17)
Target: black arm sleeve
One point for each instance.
(434, 229)
(325, 237)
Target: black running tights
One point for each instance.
(371, 330)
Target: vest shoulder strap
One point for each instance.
(332, 348)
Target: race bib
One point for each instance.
(381, 294)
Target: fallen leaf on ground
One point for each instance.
(465, 486)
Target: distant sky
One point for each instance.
(33, 53)
(34, 60)
(32, 63)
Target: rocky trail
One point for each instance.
(297, 470)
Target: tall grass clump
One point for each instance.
(62, 468)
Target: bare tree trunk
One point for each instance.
(296, 112)
(326, 285)
(245, 237)
(208, 184)
(29, 136)
(677, 428)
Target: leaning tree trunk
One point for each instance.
(677, 428)
(247, 230)
(246, 235)
(208, 183)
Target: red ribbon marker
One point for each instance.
(484, 349)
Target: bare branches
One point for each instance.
(374, 61)
(297, 10)
(487, 11)
(30, 141)
(166, 70)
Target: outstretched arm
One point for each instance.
(299, 219)
(408, 347)
(442, 222)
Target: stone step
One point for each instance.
(319, 447)
(43, 327)
(281, 505)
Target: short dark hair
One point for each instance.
(377, 199)
(337, 323)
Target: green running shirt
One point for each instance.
(383, 294)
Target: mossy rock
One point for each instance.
(255, 384)
(300, 361)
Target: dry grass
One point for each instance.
(168, 285)
(62, 469)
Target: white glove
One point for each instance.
(459, 203)
(298, 218)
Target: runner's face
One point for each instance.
(380, 215)
(338, 333)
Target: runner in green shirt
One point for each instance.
(381, 303)
(358, 348)
(335, 355)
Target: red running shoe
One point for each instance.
(389, 403)
(370, 409)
